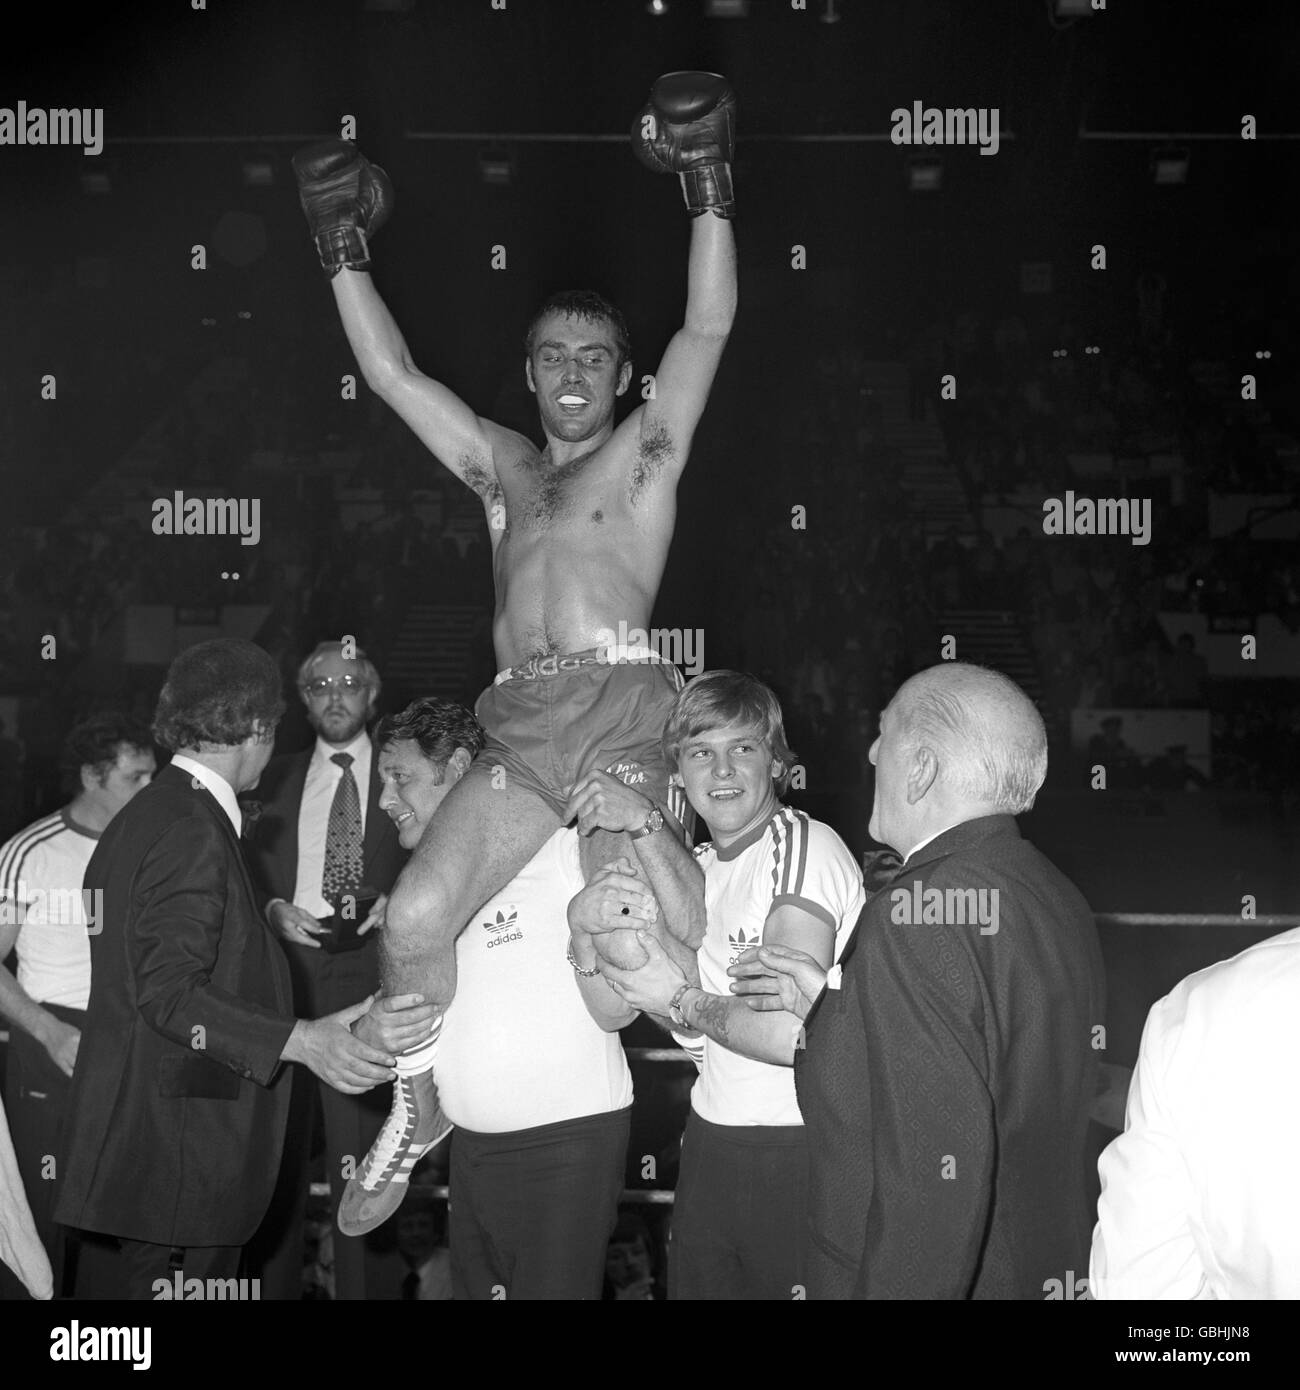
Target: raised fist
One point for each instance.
(688, 127)
(346, 198)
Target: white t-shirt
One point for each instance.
(518, 1048)
(790, 859)
(42, 868)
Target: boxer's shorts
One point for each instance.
(554, 719)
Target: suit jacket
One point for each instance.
(273, 850)
(1198, 1195)
(178, 1106)
(946, 1084)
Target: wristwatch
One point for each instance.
(675, 1006)
(654, 821)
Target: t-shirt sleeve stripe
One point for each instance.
(13, 854)
(790, 852)
(818, 910)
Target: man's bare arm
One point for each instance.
(18, 1007)
(676, 881)
(727, 1019)
(690, 362)
(443, 423)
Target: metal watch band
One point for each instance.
(654, 821)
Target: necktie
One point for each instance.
(411, 1286)
(343, 837)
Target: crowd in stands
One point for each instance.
(841, 582)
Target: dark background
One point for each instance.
(228, 379)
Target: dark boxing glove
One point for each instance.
(346, 198)
(688, 127)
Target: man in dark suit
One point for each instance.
(177, 1111)
(947, 1071)
(321, 849)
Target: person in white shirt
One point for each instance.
(45, 922)
(321, 853)
(528, 1063)
(1199, 1198)
(771, 875)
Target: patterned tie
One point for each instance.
(343, 837)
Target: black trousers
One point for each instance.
(322, 984)
(740, 1212)
(532, 1210)
(36, 1099)
(144, 1264)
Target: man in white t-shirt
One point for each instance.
(528, 1062)
(46, 922)
(771, 875)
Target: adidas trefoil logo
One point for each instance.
(503, 929)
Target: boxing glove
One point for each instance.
(688, 127)
(346, 198)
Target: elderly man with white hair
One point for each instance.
(949, 1062)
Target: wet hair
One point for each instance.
(718, 698)
(97, 741)
(439, 727)
(588, 306)
(215, 692)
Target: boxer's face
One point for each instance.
(575, 375)
(727, 776)
(414, 787)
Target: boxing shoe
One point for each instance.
(415, 1124)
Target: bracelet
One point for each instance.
(586, 974)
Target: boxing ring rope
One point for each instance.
(656, 1196)
(535, 137)
(659, 1196)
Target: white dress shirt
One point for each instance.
(323, 777)
(216, 784)
(1200, 1196)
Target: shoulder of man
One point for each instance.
(803, 848)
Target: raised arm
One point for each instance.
(346, 200)
(688, 128)
(690, 362)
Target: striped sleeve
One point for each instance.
(812, 869)
(693, 1047)
(16, 851)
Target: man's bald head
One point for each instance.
(983, 729)
(957, 742)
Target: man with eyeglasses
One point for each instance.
(321, 852)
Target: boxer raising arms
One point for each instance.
(580, 533)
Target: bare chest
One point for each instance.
(590, 491)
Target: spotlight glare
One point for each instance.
(258, 173)
(924, 175)
(1169, 164)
